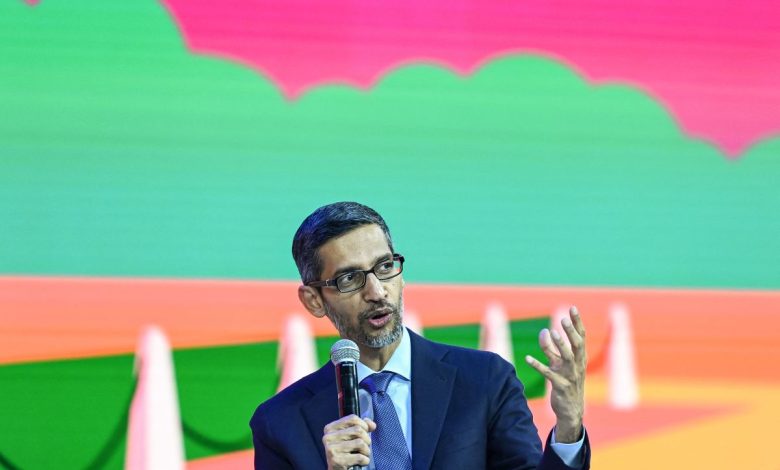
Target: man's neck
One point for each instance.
(376, 358)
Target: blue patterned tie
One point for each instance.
(388, 446)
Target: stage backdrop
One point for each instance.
(156, 158)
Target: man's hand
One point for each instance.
(347, 442)
(566, 373)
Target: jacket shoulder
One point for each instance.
(472, 364)
(458, 355)
(279, 406)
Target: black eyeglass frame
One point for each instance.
(334, 281)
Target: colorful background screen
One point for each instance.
(156, 158)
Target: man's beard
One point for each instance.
(359, 333)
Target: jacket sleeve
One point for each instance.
(267, 456)
(551, 460)
(513, 440)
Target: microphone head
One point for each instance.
(344, 350)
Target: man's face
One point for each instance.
(370, 316)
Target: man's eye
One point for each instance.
(385, 267)
(348, 278)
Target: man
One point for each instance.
(426, 405)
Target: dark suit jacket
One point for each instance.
(468, 412)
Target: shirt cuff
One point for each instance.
(571, 454)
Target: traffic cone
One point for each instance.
(412, 321)
(621, 361)
(154, 436)
(494, 334)
(297, 356)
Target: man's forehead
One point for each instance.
(359, 249)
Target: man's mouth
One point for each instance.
(379, 318)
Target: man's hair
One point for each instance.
(324, 224)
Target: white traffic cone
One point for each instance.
(494, 334)
(621, 361)
(297, 356)
(154, 436)
(412, 321)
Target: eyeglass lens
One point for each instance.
(355, 280)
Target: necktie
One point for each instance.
(388, 446)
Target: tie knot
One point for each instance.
(377, 382)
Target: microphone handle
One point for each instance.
(347, 384)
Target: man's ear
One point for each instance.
(312, 300)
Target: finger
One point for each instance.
(347, 454)
(345, 422)
(352, 460)
(554, 378)
(562, 345)
(576, 341)
(355, 446)
(370, 423)
(348, 447)
(576, 318)
(548, 348)
(349, 460)
(348, 434)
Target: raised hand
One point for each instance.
(566, 373)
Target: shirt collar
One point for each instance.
(400, 362)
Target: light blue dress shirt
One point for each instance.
(400, 391)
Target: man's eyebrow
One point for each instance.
(350, 268)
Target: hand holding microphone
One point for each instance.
(347, 441)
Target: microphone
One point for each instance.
(344, 355)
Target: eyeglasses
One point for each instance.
(355, 280)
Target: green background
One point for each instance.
(124, 155)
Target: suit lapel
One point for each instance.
(322, 408)
(432, 382)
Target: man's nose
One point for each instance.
(374, 288)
